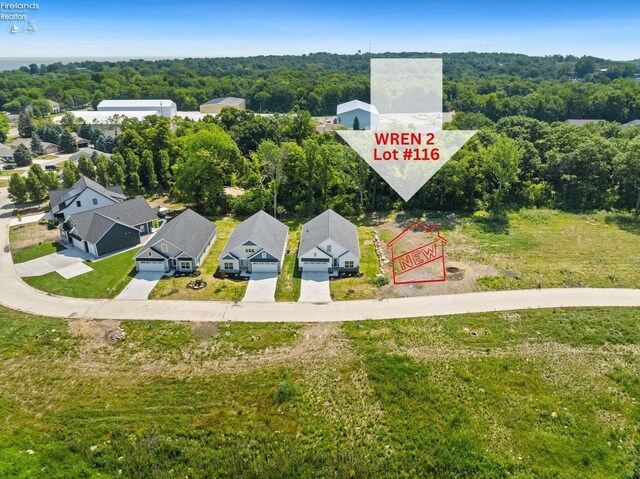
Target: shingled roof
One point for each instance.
(57, 197)
(329, 225)
(92, 225)
(189, 232)
(261, 229)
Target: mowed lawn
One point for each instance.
(216, 289)
(553, 249)
(523, 394)
(37, 251)
(288, 286)
(108, 278)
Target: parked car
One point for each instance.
(9, 167)
(51, 167)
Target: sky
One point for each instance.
(184, 28)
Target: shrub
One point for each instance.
(285, 392)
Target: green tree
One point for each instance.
(132, 169)
(356, 123)
(503, 161)
(165, 168)
(627, 176)
(35, 187)
(117, 173)
(102, 170)
(25, 125)
(270, 159)
(70, 174)
(86, 167)
(67, 143)
(198, 181)
(36, 144)
(18, 189)
(4, 128)
(51, 180)
(22, 156)
(147, 171)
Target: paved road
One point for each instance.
(18, 295)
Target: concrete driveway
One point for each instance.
(141, 285)
(261, 288)
(68, 263)
(314, 288)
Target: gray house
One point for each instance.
(257, 245)
(631, 123)
(6, 154)
(88, 152)
(181, 244)
(329, 244)
(111, 228)
(84, 195)
(346, 113)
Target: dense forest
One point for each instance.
(551, 88)
(522, 156)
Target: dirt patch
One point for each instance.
(165, 202)
(95, 333)
(205, 330)
(32, 234)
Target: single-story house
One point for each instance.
(80, 142)
(346, 113)
(257, 245)
(88, 152)
(215, 106)
(111, 228)
(329, 243)
(84, 195)
(47, 148)
(6, 153)
(581, 122)
(181, 244)
(55, 106)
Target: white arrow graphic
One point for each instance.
(406, 144)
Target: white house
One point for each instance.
(84, 195)
(346, 113)
(329, 243)
(257, 245)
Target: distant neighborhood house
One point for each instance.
(87, 152)
(109, 229)
(631, 123)
(47, 148)
(257, 245)
(346, 113)
(83, 196)
(164, 107)
(180, 245)
(6, 154)
(329, 243)
(581, 122)
(215, 106)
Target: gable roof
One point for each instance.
(57, 197)
(263, 230)
(5, 152)
(27, 142)
(92, 225)
(226, 100)
(356, 105)
(329, 225)
(188, 232)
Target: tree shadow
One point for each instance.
(625, 221)
(494, 223)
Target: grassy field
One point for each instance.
(288, 287)
(37, 251)
(217, 289)
(519, 394)
(108, 278)
(553, 249)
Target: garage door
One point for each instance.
(315, 266)
(264, 267)
(150, 265)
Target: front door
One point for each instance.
(244, 263)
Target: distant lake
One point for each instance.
(15, 63)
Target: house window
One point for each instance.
(348, 264)
(315, 255)
(78, 204)
(164, 248)
(228, 266)
(95, 201)
(149, 253)
(185, 264)
(264, 255)
(329, 248)
(250, 250)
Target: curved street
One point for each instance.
(16, 294)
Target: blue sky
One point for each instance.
(180, 28)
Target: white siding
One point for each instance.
(86, 203)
